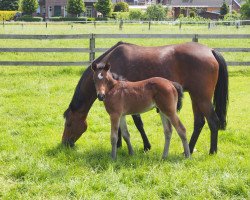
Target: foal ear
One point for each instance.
(107, 67)
(94, 66)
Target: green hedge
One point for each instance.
(57, 19)
(27, 18)
(7, 15)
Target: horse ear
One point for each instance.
(94, 66)
(107, 67)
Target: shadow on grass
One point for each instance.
(99, 159)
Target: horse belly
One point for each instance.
(138, 106)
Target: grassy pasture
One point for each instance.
(33, 165)
(102, 43)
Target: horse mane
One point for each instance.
(78, 98)
(118, 77)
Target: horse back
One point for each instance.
(189, 64)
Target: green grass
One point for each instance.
(33, 164)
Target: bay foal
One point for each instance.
(124, 98)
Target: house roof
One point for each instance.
(199, 3)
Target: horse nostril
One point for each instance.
(101, 97)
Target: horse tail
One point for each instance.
(220, 100)
(179, 89)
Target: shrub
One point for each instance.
(135, 14)
(57, 19)
(122, 15)
(101, 19)
(9, 5)
(7, 15)
(29, 6)
(104, 7)
(245, 10)
(192, 14)
(90, 19)
(75, 7)
(156, 12)
(192, 19)
(224, 9)
(121, 7)
(28, 18)
(232, 16)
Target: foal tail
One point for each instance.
(179, 89)
(220, 100)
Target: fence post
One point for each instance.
(95, 24)
(195, 38)
(3, 22)
(180, 25)
(149, 25)
(91, 47)
(121, 25)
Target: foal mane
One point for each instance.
(78, 99)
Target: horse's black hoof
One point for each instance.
(147, 148)
(212, 152)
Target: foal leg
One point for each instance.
(139, 125)
(181, 130)
(119, 142)
(167, 128)
(199, 121)
(125, 134)
(115, 120)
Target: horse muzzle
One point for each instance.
(68, 143)
(101, 97)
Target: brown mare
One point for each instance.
(123, 98)
(200, 70)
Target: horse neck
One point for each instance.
(111, 81)
(84, 95)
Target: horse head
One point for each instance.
(101, 78)
(75, 125)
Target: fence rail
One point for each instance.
(92, 50)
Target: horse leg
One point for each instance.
(139, 125)
(119, 142)
(199, 121)
(125, 134)
(181, 130)
(213, 122)
(115, 119)
(167, 128)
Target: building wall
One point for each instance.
(52, 7)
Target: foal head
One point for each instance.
(101, 77)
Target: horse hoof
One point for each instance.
(147, 148)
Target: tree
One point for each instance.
(9, 4)
(75, 7)
(135, 14)
(121, 7)
(156, 12)
(245, 10)
(224, 9)
(104, 7)
(29, 6)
